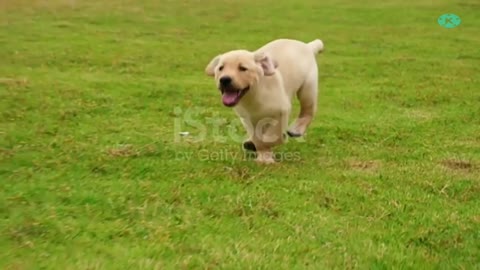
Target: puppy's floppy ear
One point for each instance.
(210, 69)
(267, 63)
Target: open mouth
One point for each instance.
(231, 96)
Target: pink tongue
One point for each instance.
(229, 98)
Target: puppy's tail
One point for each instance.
(316, 46)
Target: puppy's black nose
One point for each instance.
(225, 81)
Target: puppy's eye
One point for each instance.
(241, 68)
(220, 68)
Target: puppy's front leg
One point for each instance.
(264, 152)
(248, 144)
(268, 133)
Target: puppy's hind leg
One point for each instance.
(307, 95)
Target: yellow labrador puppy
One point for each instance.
(260, 85)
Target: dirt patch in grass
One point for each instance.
(14, 82)
(123, 151)
(461, 165)
(364, 165)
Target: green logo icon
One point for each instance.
(449, 20)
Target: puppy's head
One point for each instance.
(236, 72)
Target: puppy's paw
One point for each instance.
(260, 160)
(265, 157)
(250, 146)
(294, 134)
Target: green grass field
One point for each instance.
(94, 175)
